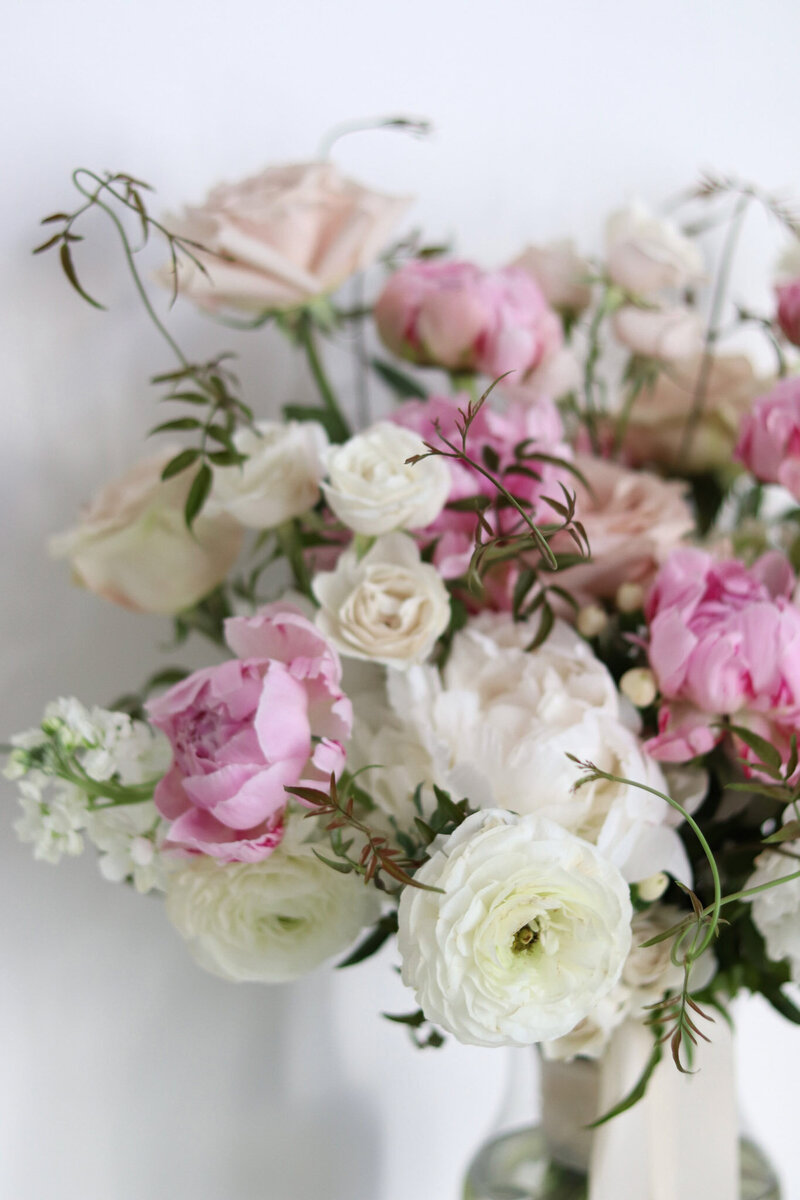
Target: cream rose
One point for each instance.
(280, 478)
(530, 930)
(633, 520)
(645, 253)
(373, 489)
(284, 237)
(388, 607)
(132, 545)
(657, 424)
(666, 334)
(499, 723)
(560, 272)
(270, 921)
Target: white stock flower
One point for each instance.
(373, 489)
(646, 253)
(269, 921)
(500, 721)
(530, 931)
(387, 607)
(776, 912)
(128, 838)
(280, 478)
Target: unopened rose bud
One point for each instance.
(630, 597)
(591, 621)
(639, 686)
(653, 888)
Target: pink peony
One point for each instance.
(491, 434)
(769, 437)
(453, 315)
(789, 310)
(724, 640)
(272, 717)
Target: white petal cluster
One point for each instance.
(499, 722)
(646, 253)
(373, 489)
(387, 607)
(529, 932)
(269, 921)
(776, 912)
(280, 478)
(58, 814)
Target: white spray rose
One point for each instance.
(499, 722)
(646, 253)
(388, 607)
(776, 912)
(280, 478)
(270, 921)
(373, 490)
(132, 546)
(667, 334)
(530, 931)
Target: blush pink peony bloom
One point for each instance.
(453, 315)
(724, 641)
(493, 437)
(789, 310)
(272, 717)
(769, 437)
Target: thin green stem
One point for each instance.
(712, 329)
(337, 423)
(288, 538)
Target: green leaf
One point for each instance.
(469, 504)
(344, 868)
(372, 942)
(65, 255)
(54, 217)
(179, 463)
(46, 245)
(414, 1019)
(546, 622)
(227, 458)
(635, 1094)
(198, 494)
(178, 423)
(768, 754)
(782, 1004)
(788, 833)
(402, 385)
(491, 458)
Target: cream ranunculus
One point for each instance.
(530, 931)
(776, 912)
(387, 607)
(646, 253)
(667, 334)
(132, 545)
(499, 723)
(284, 237)
(280, 478)
(269, 921)
(373, 489)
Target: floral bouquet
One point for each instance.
(503, 653)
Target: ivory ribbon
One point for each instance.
(681, 1142)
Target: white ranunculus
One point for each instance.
(390, 746)
(373, 490)
(500, 721)
(280, 478)
(590, 1037)
(270, 921)
(666, 334)
(776, 912)
(530, 931)
(646, 253)
(132, 546)
(387, 607)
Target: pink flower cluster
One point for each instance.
(493, 437)
(789, 310)
(724, 640)
(274, 716)
(769, 437)
(453, 315)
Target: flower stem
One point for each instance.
(337, 425)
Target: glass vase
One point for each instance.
(549, 1160)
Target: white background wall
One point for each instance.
(127, 1073)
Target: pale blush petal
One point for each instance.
(169, 797)
(199, 831)
(209, 791)
(260, 799)
(281, 721)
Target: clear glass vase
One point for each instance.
(549, 1160)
